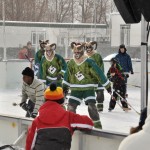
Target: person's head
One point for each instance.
(113, 71)
(113, 62)
(122, 48)
(89, 47)
(43, 43)
(28, 75)
(78, 49)
(54, 93)
(29, 45)
(49, 49)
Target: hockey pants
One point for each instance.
(93, 113)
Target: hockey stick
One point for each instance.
(123, 99)
(7, 146)
(31, 61)
(134, 85)
(18, 104)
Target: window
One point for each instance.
(125, 34)
(36, 36)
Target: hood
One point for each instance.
(51, 113)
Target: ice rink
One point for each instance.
(116, 120)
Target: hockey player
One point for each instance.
(81, 76)
(53, 65)
(38, 56)
(119, 86)
(54, 126)
(32, 93)
(91, 52)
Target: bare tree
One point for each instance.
(85, 11)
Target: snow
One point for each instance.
(109, 57)
(116, 120)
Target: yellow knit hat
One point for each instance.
(53, 92)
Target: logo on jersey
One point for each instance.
(51, 69)
(79, 76)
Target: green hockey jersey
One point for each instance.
(49, 70)
(38, 56)
(98, 59)
(84, 76)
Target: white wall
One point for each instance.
(135, 31)
(116, 20)
(10, 75)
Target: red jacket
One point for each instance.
(51, 114)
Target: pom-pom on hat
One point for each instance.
(28, 72)
(53, 92)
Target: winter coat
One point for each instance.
(34, 92)
(139, 140)
(25, 51)
(53, 116)
(125, 61)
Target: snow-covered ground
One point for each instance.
(117, 120)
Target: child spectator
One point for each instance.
(54, 126)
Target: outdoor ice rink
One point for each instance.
(117, 120)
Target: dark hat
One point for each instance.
(28, 72)
(122, 46)
(114, 60)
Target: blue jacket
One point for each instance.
(125, 61)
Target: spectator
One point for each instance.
(125, 62)
(32, 93)
(26, 52)
(139, 140)
(54, 126)
(143, 117)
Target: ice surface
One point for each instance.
(117, 120)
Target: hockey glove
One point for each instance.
(109, 90)
(33, 115)
(127, 75)
(59, 76)
(23, 105)
(132, 72)
(65, 91)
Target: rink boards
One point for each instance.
(13, 130)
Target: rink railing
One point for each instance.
(13, 131)
(12, 78)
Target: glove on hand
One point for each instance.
(109, 90)
(65, 91)
(127, 75)
(33, 115)
(25, 106)
(132, 72)
(59, 76)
